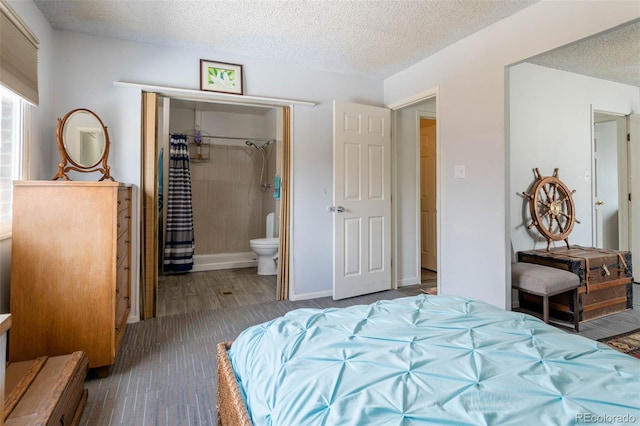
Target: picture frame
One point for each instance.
(221, 77)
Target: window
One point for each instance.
(12, 125)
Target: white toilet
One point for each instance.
(267, 248)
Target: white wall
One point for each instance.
(550, 114)
(87, 66)
(42, 152)
(470, 76)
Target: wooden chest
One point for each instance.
(605, 281)
(46, 391)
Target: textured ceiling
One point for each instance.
(374, 37)
(613, 55)
(362, 37)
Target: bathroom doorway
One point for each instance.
(234, 165)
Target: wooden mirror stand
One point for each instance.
(83, 143)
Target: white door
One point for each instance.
(361, 199)
(428, 255)
(634, 194)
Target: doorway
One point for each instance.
(156, 127)
(610, 183)
(409, 210)
(234, 153)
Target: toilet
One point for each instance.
(267, 248)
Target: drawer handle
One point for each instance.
(119, 202)
(128, 217)
(117, 290)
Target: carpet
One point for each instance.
(165, 372)
(628, 343)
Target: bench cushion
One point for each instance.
(542, 279)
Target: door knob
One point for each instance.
(338, 209)
(599, 203)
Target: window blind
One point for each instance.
(18, 55)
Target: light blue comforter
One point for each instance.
(429, 360)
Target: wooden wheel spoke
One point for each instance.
(545, 214)
(544, 188)
(555, 191)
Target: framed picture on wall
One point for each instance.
(220, 77)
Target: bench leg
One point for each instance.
(545, 308)
(576, 311)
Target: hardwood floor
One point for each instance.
(428, 278)
(201, 291)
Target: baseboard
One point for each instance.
(408, 281)
(307, 296)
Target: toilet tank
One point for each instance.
(271, 225)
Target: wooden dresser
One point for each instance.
(70, 270)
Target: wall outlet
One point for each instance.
(459, 172)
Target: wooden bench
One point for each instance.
(546, 281)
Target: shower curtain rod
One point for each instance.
(230, 137)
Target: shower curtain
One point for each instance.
(179, 244)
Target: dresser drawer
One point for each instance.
(123, 221)
(122, 280)
(124, 198)
(124, 245)
(122, 311)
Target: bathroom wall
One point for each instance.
(229, 207)
(273, 130)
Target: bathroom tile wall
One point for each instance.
(227, 201)
(229, 208)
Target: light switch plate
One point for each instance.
(459, 172)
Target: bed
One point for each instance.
(421, 360)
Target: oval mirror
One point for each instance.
(83, 141)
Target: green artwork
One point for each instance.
(222, 78)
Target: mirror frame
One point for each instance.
(101, 163)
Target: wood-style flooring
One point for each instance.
(202, 291)
(210, 290)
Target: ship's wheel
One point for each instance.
(552, 208)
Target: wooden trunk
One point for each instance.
(46, 391)
(605, 281)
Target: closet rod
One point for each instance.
(231, 137)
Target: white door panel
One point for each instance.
(361, 224)
(634, 172)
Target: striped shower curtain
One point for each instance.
(179, 246)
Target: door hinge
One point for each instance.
(628, 137)
(629, 196)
